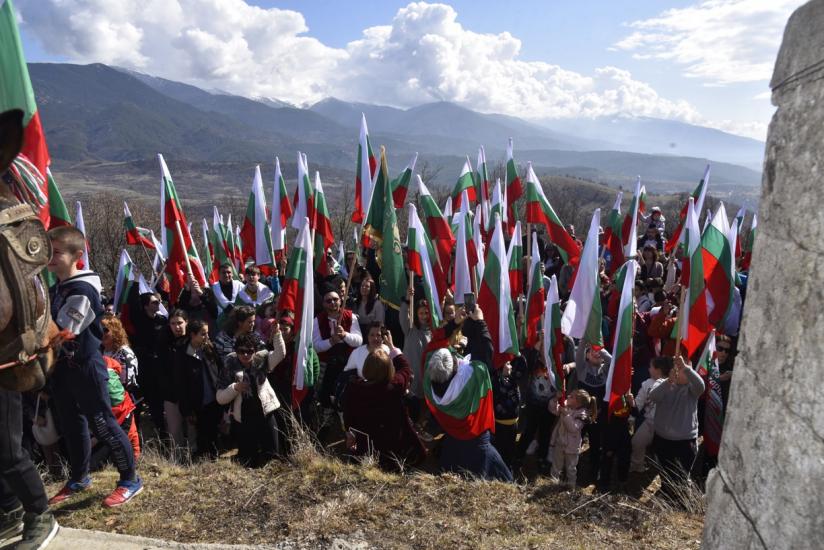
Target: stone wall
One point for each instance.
(768, 490)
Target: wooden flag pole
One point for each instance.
(350, 269)
(679, 321)
(412, 302)
(185, 251)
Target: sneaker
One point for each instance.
(11, 524)
(70, 489)
(124, 492)
(38, 531)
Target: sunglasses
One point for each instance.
(245, 351)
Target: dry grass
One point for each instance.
(315, 498)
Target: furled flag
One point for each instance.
(694, 321)
(479, 246)
(299, 297)
(238, 244)
(535, 295)
(494, 299)
(497, 206)
(482, 190)
(719, 267)
(80, 224)
(466, 182)
(220, 242)
(612, 235)
(400, 185)
(738, 222)
(619, 378)
(255, 234)
(538, 210)
(304, 196)
(382, 227)
(462, 277)
(553, 341)
(209, 264)
(515, 260)
(514, 187)
(16, 92)
(746, 258)
(123, 282)
(707, 367)
(583, 316)
(629, 230)
(58, 212)
(364, 175)
(134, 234)
(420, 257)
(324, 237)
(179, 248)
(237, 262)
(697, 196)
(447, 209)
(281, 211)
(440, 234)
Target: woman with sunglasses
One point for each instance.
(243, 385)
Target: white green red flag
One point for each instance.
(719, 267)
(465, 183)
(514, 187)
(324, 238)
(238, 244)
(535, 295)
(553, 340)
(583, 313)
(440, 234)
(515, 260)
(694, 322)
(479, 245)
(465, 410)
(746, 257)
(462, 277)
(482, 190)
(58, 212)
(304, 196)
(495, 300)
(298, 297)
(16, 92)
(629, 230)
(123, 281)
(447, 209)
(612, 235)
(178, 245)
(497, 206)
(136, 235)
(538, 210)
(219, 238)
(209, 263)
(421, 260)
(80, 224)
(255, 233)
(619, 378)
(697, 196)
(707, 367)
(365, 170)
(281, 211)
(400, 185)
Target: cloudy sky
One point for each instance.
(704, 62)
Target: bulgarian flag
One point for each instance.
(694, 321)
(298, 296)
(16, 92)
(480, 247)
(629, 229)
(123, 282)
(466, 182)
(707, 367)
(698, 195)
(255, 233)
(495, 300)
(535, 295)
(447, 209)
(439, 233)
(220, 242)
(619, 378)
(80, 224)
(498, 207)
(482, 189)
(304, 196)
(746, 258)
(382, 226)
(209, 262)
(553, 341)
(612, 235)
(515, 260)
(538, 210)
(364, 175)
(514, 187)
(583, 316)
(400, 185)
(420, 258)
(230, 243)
(324, 238)
(134, 234)
(178, 245)
(462, 277)
(738, 223)
(58, 212)
(238, 245)
(465, 410)
(281, 211)
(719, 267)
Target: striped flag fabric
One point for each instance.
(482, 189)
(719, 267)
(612, 235)
(698, 195)
(304, 206)
(553, 340)
(209, 264)
(465, 184)
(281, 211)
(255, 233)
(536, 295)
(420, 258)
(462, 277)
(629, 230)
(694, 323)
(619, 378)
(365, 170)
(400, 185)
(515, 260)
(538, 210)
(136, 235)
(80, 224)
(465, 410)
(583, 313)
(58, 212)
(123, 281)
(514, 187)
(299, 293)
(746, 257)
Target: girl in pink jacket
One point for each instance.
(581, 408)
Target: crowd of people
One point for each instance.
(215, 373)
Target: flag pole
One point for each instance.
(149, 259)
(350, 269)
(185, 251)
(679, 321)
(411, 308)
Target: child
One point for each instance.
(580, 409)
(80, 378)
(645, 429)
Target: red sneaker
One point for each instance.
(69, 490)
(123, 493)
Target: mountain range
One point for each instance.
(99, 115)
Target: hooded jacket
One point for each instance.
(76, 306)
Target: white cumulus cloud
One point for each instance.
(718, 41)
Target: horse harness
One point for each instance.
(26, 251)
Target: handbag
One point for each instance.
(44, 435)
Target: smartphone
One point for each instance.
(334, 324)
(469, 303)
